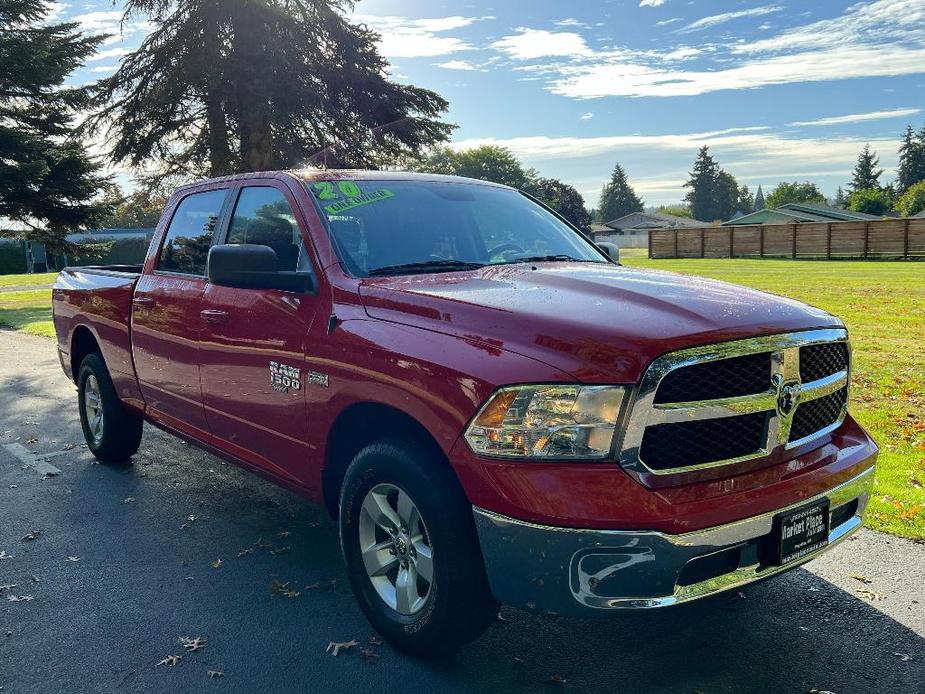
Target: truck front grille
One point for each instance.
(667, 446)
(813, 416)
(736, 401)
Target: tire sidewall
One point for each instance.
(91, 367)
(369, 470)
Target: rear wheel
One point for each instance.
(411, 550)
(112, 432)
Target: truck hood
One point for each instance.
(600, 323)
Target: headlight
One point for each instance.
(549, 422)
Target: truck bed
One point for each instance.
(94, 304)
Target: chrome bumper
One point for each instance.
(573, 571)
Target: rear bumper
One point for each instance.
(576, 572)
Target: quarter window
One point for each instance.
(263, 216)
(189, 236)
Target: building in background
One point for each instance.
(632, 230)
(798, 213)
(123, 247)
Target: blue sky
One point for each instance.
(779, 90)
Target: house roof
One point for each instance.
(653, 220)
(827, 212)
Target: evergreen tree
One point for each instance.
(841, 199)
(759, 200)
(225, 86)
(866, 174)
(618, 198)
(911, 167)
(746, 202)
(702, 195)
(48, 184)
(727, 195)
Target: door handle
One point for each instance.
(143, 302)
(214, 316)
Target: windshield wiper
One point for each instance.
(425, 266)
(544, 258)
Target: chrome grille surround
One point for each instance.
(785, 371)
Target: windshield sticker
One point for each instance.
(361, 198)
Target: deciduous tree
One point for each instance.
(794, 193)
(563, 198)
(486, 163)
(912, 201)
(870, 201)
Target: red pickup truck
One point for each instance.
(491, 407)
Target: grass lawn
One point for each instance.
(28, 311)
(883, 305)
(27, 280)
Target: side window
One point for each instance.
(263, 216)
(186, 244)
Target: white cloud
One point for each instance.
(458, 65)
(651, 3)
(587, 116)
(529, 44)
(570, 22)
(402, 37)
(881, 39)
(713, 20)
(860, 117)
(111, 53)
(754, 148)
(105, 68)
(666, 22)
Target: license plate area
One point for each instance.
(801, 532)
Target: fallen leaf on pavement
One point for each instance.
(905, 657)
(217, 563)
(128, 500)
(171, 660)
(213, 674)
(374, 641)
(73, 559)
(334, 647)
(245, 552)
(284, 534)
(871, 595)
(860, 577)
(8, 586)
(277, 587)
(19, 598)
(31, 440)
(518, 660)
(369, 654)
(29, 537)
(820, 691)
(195, 644)
(4, 555)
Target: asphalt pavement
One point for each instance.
(111, 566)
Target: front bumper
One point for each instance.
(576, 572)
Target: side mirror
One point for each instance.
(251, 266)
(611, 249)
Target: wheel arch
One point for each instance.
(357, 426)
(83, 342)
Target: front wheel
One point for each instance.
(411, 550)
(112, 432)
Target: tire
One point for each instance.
(112, 432)
(456, 605)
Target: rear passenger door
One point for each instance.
(253, 343)
(166, 324)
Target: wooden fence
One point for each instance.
(881, 238)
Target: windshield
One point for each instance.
(411, 227)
